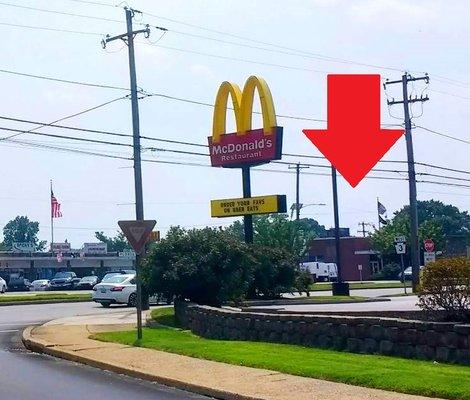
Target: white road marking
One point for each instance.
(9, 330)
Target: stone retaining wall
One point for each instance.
(441, 341)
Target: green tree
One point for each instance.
(116, 243)
(277, 230)
(21, 229)
(436, 221)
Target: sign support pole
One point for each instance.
(403, 272)
(247, 219)
(339, 287)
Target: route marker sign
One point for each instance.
(400, 248)
(137, 232)
(400, 239)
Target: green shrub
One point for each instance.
(212, 267)
(206, 266)
(445, 285)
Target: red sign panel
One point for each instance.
(253, 148)
(429, 245)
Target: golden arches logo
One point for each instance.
(247, 146)
(243, 107)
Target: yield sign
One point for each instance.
(137, 232)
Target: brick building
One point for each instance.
(355, 252)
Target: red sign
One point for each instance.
(429, 245)
(252, 148)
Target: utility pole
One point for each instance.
(298, 206)
(407, 100)
(128, 38)
(364, 230)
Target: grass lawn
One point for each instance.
(357, 285)
(401, 375)
(45, 296)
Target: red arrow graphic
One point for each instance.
(353, 141)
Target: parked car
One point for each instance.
(116, 289)
(18, 282)
(407, 273)
(3, 285)
(40, 284)
(87, 282)
(66, 280)
(120, 272)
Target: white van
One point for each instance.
(320, 271)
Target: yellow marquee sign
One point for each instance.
(248, 206)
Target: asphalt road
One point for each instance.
(29, 376)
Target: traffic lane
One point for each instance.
(30, 376)
(406, 303)
(35, 313)
(33, 292)
(356, 292)
(27, 376)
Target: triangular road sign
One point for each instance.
(137, 232)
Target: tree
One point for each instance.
(436, 221)
(21, 229)
(116, 243)
(277, 230)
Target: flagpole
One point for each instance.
(52, 221)
(378, 213)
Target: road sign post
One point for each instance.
(137, 233)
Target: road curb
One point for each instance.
(42, 347)
(32, 302)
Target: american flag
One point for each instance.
(55, 207)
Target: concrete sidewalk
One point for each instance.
(209, 378)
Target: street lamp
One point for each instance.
(298, 206)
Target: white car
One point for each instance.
(40, 284)
(3, 285)
(116, 289)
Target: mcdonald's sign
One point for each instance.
(247, 146)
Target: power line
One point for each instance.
(44, 28)
(129, 158)
(59, 12)
(72, 82)
(235, 58)
(299, 52)
(200, 145)
(41, 125)
(443, 134)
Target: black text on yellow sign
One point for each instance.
(249, 206)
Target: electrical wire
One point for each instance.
(41, 125)
(68, 81)
(443, 134)
(234, 58)
(43, 28)
(69, 14)
(200, 145)
(130, 158)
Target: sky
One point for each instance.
(294, 46)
